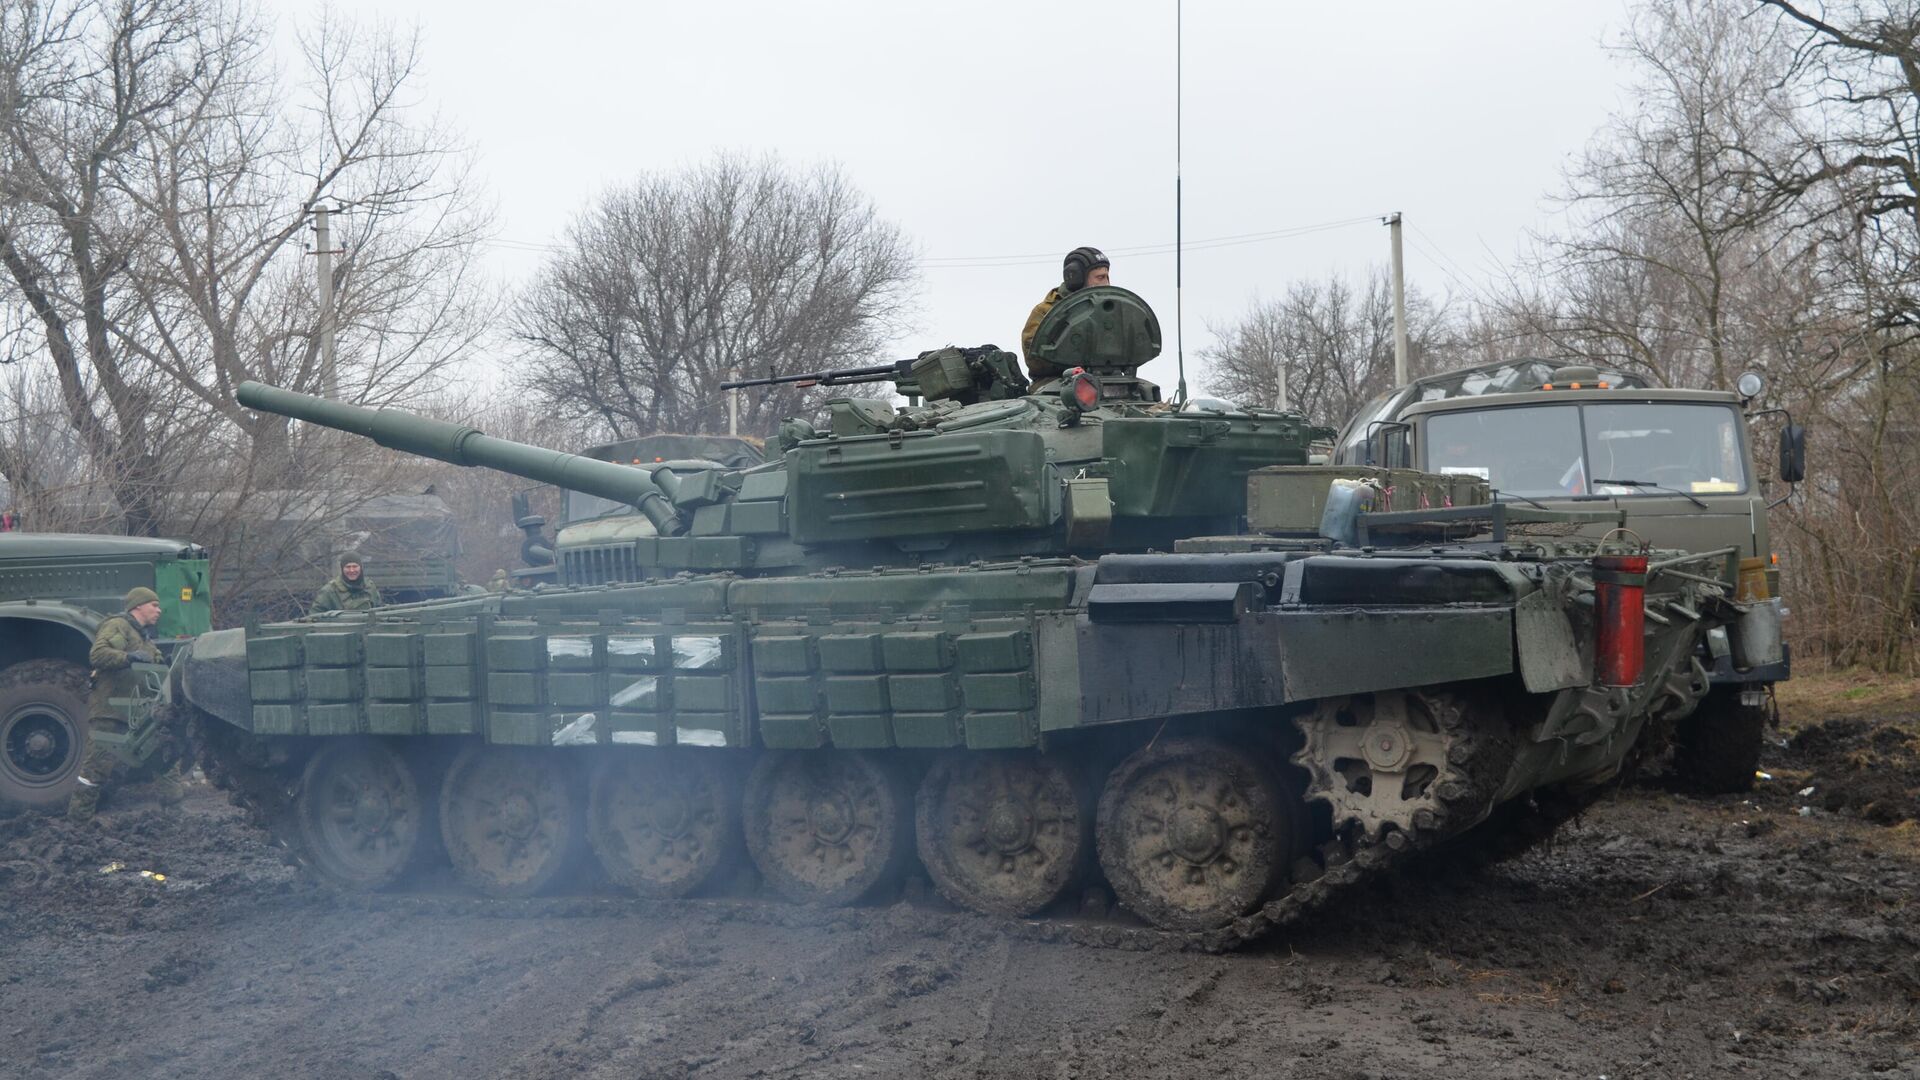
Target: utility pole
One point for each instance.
(733, 404)
(1280, 380)
(324, 253)
(1399, 305)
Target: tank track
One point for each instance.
(1350, 860)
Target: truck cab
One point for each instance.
(1678, 463)
(55, 590)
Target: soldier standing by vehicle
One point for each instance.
(1082, 267)
(350, 591)
(121, 640)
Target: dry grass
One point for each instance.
(1811, 696)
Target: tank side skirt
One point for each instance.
(1142, 671)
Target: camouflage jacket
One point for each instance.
(1038, 370)
(337, 595)
(119, 642)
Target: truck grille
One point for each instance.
(599, 565)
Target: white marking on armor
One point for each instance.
(630, 646)
(570, 646)
(638, 692)
(697, 651)
(700, 737)
(578, 732)
(637, 738)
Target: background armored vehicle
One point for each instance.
(1679, 466)
(55, 588)
(288, 545)
(961, 630)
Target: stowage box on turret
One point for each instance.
(1026, 636)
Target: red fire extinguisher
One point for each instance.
(1620, 616)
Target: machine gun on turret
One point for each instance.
(966, 376)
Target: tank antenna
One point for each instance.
(1179, 296)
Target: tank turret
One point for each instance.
(982, 466)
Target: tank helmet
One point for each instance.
(1079, 262)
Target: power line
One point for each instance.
(1442, 260)
(1151, 249)
(970, 262)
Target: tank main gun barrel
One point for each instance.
(459, 444)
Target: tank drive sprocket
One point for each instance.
(1399, 760)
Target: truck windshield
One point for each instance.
(1549, 451)
(581, 506)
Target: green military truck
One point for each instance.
(1678, 463)
(55, 589)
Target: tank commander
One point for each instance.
(1082, 267)
(121, 640)
(350, 591)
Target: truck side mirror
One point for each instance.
(1793, 453)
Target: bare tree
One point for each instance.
(1335, 341)
(1671, 228)
(670, 284)
(158, 174)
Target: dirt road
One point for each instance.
(1662, 936)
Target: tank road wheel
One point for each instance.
(826, 827)
(509, 818)
(1193, 832)
(43, 732)
(662, 821)
(359, 813)
(1000, 833)
(1399, 759)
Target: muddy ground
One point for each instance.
(1662, 936)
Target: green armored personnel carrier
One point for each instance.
(1021, 637)
(55, 589)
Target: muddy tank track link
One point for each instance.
(1347, 861)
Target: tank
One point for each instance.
(1022, 639)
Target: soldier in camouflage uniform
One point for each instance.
(350, 591)
(121, 640)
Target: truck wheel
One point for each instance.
(43, 732)
(1717, 748)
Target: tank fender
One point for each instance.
(1139, 667)
(212, 671)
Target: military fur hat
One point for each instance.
(140, 594)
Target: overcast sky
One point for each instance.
(1000, 135)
